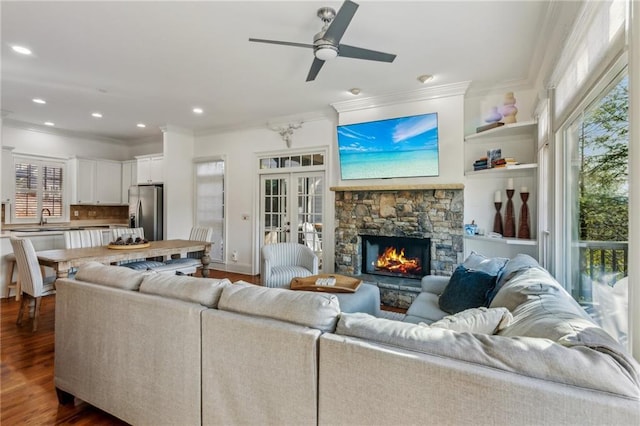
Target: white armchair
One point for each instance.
(281, 262)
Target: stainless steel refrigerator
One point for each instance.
(145, 210)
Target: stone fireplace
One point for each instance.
(416, 214)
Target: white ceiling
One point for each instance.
(152, 62)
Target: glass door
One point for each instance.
(291, 209)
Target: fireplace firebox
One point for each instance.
(396, 256)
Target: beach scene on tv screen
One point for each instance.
(398, 147)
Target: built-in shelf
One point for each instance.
(511, 241)
(507, 169)
(514, 130)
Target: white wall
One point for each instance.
(240, 148)
(178, 183)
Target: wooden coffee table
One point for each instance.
(343, 283)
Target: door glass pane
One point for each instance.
(275, 210)
(597, 209)
(310, 190)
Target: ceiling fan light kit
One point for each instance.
(326, 44)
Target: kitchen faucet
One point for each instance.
(42, 219)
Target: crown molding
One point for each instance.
(17, 124)
(176, 129)
(306, 117)
(435, 92)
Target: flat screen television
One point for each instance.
(393, 148)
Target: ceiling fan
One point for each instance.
(326, 44)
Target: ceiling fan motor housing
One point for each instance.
(323, 49)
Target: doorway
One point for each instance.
(291, 209)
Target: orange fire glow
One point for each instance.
(393, 261)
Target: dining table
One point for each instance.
(62, 260)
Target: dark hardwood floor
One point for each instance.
(27, 393)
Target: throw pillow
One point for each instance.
(488, 265)
(466, 289)
(477, 320)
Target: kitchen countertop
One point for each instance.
(54, 228)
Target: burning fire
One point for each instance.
(393, 261)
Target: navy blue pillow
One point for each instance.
(466, 289)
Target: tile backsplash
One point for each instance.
(85, 212)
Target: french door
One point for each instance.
(291, 209)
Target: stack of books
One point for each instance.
(510, 161)
(481, 164)
(498, 163)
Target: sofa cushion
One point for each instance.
(519, 263)
(205, 291)
(488, 265)
(477, 320)
(315, 310)
(532, 357)
(466, 289)
(111, 276)
(425, 309)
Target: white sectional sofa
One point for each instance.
(160, 350)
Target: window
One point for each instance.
(209, 199)
(39, 189)
(597, 207)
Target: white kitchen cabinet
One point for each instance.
(85, 181)
(129, 178)
(108, 182)
(97, 182)
(150, 169)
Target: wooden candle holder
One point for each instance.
(523, 227)
(497, 220)
(509, 216)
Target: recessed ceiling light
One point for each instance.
(197, 110)
(355, 91)
(425, 78)
(49, 123)
(21, 49)
(141, 125)
(96, 115)
(39, 101)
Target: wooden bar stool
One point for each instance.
(11, 264)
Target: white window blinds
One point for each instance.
(597, 36)
(209, 198)
(38, 186)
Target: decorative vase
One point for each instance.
(494, 116)
(509, 109)
(523, 227)
(509, 218)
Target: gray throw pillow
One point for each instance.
(488, 265)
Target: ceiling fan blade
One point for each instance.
(360, 53)
(315, 69)
(285, 43)
(340, 23)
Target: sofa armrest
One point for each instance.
(309, 260)
(435, 283)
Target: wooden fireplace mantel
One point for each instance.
(410, 187)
